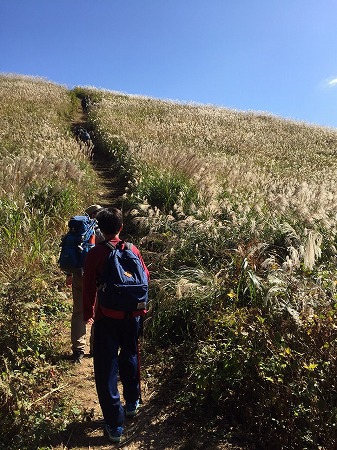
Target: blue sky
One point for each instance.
(277, 57)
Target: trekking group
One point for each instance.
(85, 103)
(109, 282)
(83, 135)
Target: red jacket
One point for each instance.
(93, 268)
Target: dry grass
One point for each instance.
(35, 144)
(256, 170)
(256, 176)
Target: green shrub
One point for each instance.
(31, 312)
(166, 191)
(13, 219)
(182, 301)
(50, 200)
(274, 380)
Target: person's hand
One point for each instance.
(69, 280)
(90, 321)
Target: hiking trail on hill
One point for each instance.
(158, 426)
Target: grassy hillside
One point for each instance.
(249, 167)
(44, 178)
(238, 212)
(235, 214)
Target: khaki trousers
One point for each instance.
(78, 326)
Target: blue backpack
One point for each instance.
(124, 283)
(76, 243)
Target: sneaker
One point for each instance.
(131, 409)
(78, 355)
(114, 433)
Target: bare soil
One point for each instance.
(160, 424)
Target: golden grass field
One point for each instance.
(232, 207)
(258, 171)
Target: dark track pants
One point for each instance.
(115, 350)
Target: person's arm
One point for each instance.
(89, 286)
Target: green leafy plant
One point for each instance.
(166, 191)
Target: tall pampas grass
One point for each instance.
(253, 168)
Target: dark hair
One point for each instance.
(110, 220)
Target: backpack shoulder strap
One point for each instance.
(127, 245)
(108, 244)
(122, 245)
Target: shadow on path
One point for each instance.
(162, 423)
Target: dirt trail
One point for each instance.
(88, 431)
(158, 426)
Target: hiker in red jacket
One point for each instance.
(116, 333)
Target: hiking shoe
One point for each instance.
(131, 409)
(114, 433)
(78, 355)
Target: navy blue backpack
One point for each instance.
(76, 243)
(124, 283)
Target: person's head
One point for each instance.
(110, 221)
(93, 210)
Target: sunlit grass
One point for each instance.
(245, 270)
(44, 178)
(255, 170)
(235, 214)
(41, 162)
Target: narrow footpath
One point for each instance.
(88, 431)
(145, 430)
(159, 425)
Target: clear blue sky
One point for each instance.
(278, 57)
